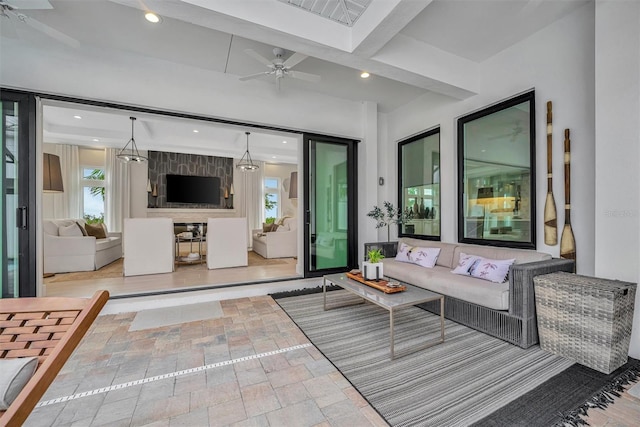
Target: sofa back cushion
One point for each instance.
(445, 258)
(521, 256)
(50, 227)
(72, 230)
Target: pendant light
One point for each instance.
(246, 162)
(132, 155)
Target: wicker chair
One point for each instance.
(49, 328)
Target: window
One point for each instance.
(419, 184)
(271, 199)
(93, 194)
(496, 174)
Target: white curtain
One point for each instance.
(68, 203)
(117, 194)
(249, 195)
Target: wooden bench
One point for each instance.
(49, 328)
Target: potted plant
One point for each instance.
(390, 215)
(372, 268)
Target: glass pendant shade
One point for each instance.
(131, 154)
(246, 162)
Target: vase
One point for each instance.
(372, 271)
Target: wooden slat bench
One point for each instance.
(49, 328)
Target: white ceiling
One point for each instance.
(399, 41)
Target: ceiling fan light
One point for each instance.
(132, 154)
(364, 75)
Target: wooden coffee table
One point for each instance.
(390, 302)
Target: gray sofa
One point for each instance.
(504, 310)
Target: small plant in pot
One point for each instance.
(372, 268)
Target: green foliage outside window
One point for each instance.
(98, 175)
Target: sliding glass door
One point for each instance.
(17, 195)
(330, 223)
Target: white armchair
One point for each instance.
(227, 243)
(148, 246)
(282, 243)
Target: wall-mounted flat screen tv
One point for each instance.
(193, 189)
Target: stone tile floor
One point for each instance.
(293, 387)
(289, 383)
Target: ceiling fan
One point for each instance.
(516, 130)
(279, 67)
(10, 10)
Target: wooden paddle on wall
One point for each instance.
(567, 242)
(550, 214)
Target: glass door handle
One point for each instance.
(21, 217)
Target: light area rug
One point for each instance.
(114, 270)
(455, 383)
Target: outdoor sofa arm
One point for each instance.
(521, 292)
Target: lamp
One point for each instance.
(231, 192)
(293, 185)
(148, 186)
(51, 174)
(133, 155)
(246, 162)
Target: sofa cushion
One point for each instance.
(14, 375)
(465, 264)
(109, 242)
(445, 258)
(72, 230)
(82, 229)
(493, 270)
(96, 230)
(439, 279)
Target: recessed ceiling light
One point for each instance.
(196, 131)
(273, 157)
(484, 151)
(95, 140)
(284, 142)
(152, 17)
(364, 75)
(77, 117)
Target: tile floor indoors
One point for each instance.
(141, 364)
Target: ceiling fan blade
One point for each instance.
(29, 4)
(254, 76)
(294, 60)
(313, 78)
(51, 32)
(255, 55)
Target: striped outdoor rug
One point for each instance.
(455, 383)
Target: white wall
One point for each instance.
(174, 87)
(617, 129)
(558, 62)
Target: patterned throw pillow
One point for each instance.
(493, 270)
(425, 257)
(465, 264)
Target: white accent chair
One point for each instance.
(227, 243)
(148, 246)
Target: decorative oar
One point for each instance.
(550, 215)
(567, 242)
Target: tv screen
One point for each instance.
(193, 189)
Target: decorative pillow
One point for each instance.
(266, 227)
(465, 264)
(96, 230)
(403, 253)
(493, 270)
(281, 228)
(425, 257)
(69, 231)
(14, 375)
(104, 227)
(82, 230)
